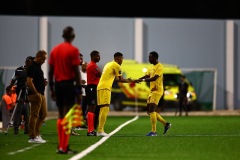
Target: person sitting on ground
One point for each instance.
(7, 107)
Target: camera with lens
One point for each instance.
(21, 77)
(21, 74)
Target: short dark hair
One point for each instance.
(68, 33)
(94, 53)
(9, 88)
(118, 54)
(154, 54)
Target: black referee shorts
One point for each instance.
(91, 94)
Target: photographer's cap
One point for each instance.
(29, 58)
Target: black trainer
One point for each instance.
(74, 133)
(84, 126)
(167, 127)
(92, 133)
(69, 151)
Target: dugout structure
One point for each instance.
(204, 80)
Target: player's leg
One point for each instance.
(96, 118)
(152, 103)
(91, 101)
(103, 99)
(65, 99)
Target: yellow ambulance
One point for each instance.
(135, 94)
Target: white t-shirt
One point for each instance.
(84, 77)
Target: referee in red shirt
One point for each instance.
(93, 76)
(64, 69)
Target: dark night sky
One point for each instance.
(201, 9)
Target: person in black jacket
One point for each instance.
(19, 79)
(182, 95)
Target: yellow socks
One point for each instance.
(159, 118)
(153, 119)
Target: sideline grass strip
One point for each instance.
(216, 137)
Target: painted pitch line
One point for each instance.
(23, 150)
(206, 135)
(92, 147)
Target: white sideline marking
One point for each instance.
(92, 147)
(206, 135)
(24, 149)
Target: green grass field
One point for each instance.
(193, 137)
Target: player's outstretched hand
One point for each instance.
(130, 79)
(137, 80)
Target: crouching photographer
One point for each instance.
(21, 111)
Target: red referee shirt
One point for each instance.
(63, 57)
(92, 72)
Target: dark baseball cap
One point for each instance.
(30, 58)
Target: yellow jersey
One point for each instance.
(156, 86)
(110, 71)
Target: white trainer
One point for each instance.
(40, 138)
(103, 134)
(36, 140)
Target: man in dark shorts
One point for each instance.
(93, 76)
(64, 67)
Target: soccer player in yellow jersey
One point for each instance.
(111, 71)
(155, 76)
